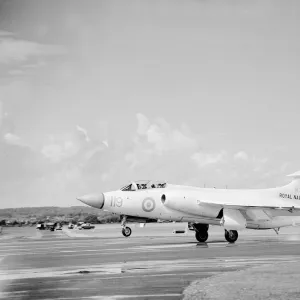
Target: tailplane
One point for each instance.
(295, 175)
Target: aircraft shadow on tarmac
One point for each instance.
(211, 242)
(221, 243)
(206, 245)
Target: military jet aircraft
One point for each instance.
(233, 209)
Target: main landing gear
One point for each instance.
(231, 235)
(126, 231)
(201, 232)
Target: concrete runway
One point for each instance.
(153, 263)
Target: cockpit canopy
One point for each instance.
(144, 185)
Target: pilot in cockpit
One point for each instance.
(134, 186)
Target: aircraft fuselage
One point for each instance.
(232, 209)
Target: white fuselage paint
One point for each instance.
(202, 205)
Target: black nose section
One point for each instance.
(94, 200)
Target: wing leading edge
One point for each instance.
(245, 207)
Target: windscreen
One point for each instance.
(144, 185)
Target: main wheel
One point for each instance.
(201, 236)
(126, 231)
(231, 235)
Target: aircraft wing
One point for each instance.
(236, 216)
(245, 207)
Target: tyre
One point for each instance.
(201, 236)
(231, 235)
(126, 231)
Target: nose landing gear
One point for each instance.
(126, 231)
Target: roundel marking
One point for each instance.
(148, 204)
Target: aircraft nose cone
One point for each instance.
(94, 200)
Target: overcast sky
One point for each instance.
(94, 94)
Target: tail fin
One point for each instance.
(294, 186)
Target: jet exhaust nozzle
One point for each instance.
(93, 200)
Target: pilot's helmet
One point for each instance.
(134, 186)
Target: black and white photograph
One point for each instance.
(149, 149)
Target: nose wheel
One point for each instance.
(126, 231)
